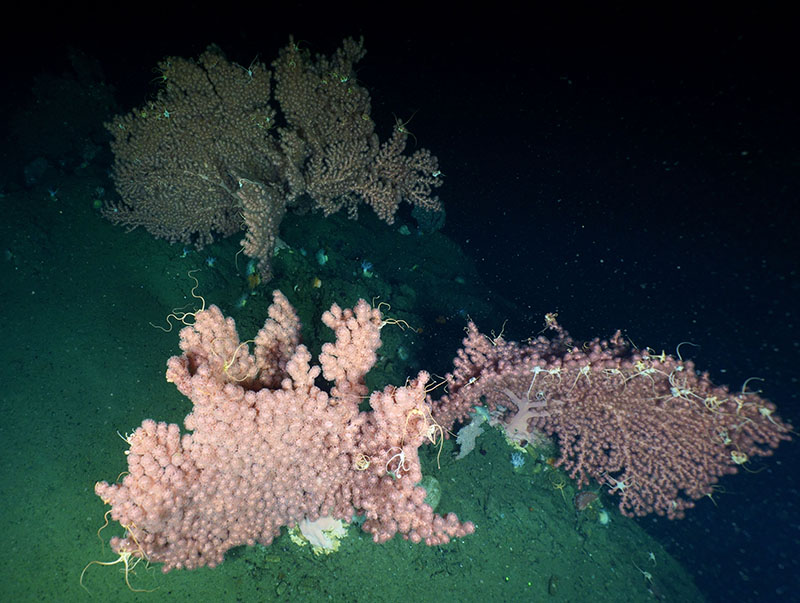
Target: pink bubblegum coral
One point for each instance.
(648, 425)
(268, 448)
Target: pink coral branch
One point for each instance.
(650, 427)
